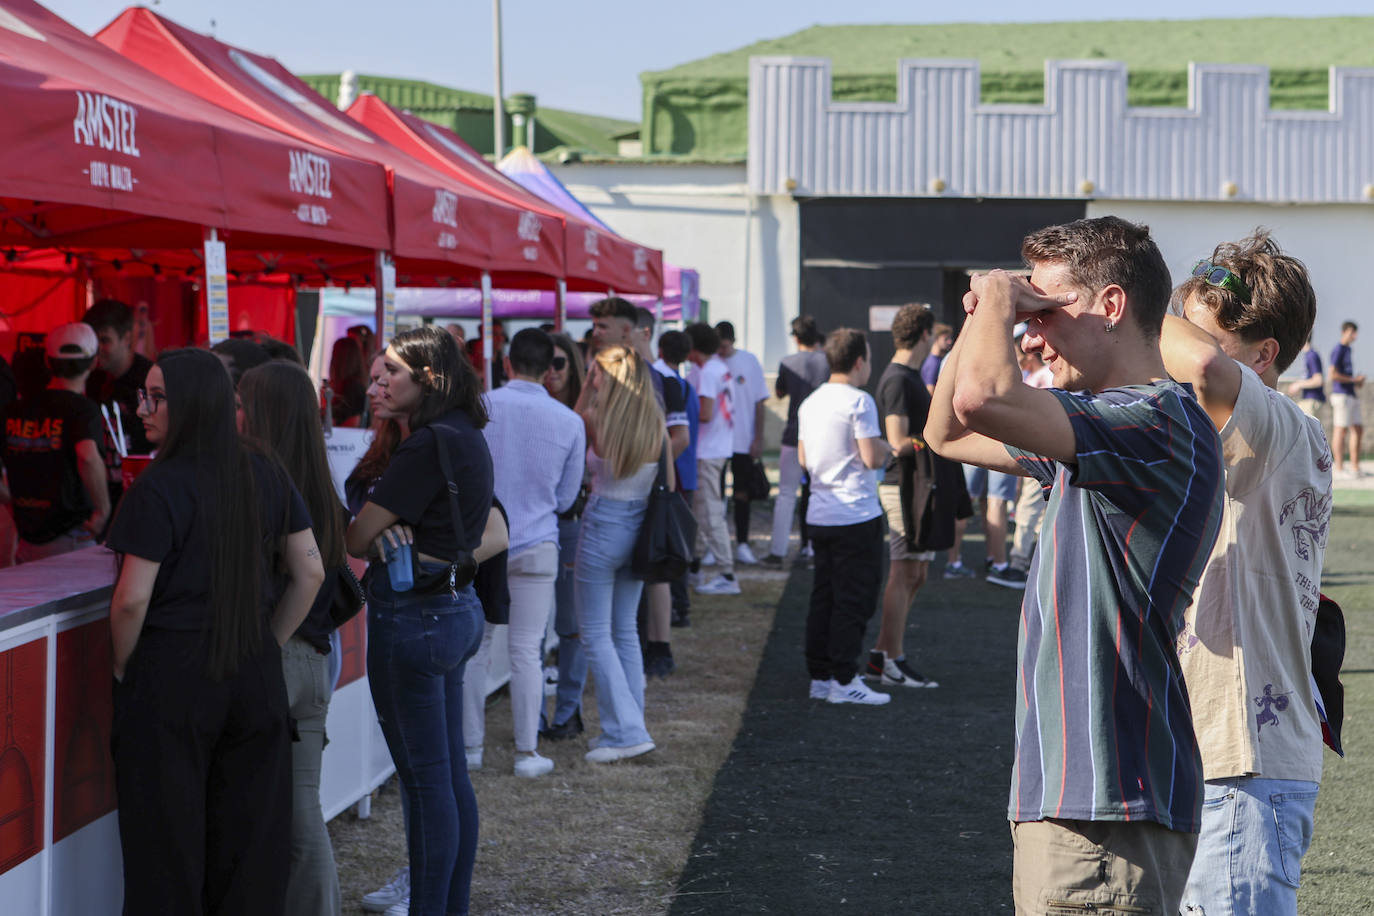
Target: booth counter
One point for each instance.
(59, 840)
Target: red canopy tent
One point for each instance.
(107, 168)
(442, 228)
(596, 259)
(96, 151)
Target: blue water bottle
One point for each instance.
(399, 569)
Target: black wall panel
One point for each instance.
(860, 252)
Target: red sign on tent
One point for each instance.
(439, 223)
(596, 260)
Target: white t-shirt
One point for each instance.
(1246, 640)
(712, 381)
(829, 424)
(746, 381)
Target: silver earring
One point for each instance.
(1111, 326)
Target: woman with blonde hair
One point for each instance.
(626, 436)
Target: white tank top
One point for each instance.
(605, 485)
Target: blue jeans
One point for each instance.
(999, 485)
(572, 660)
(1255, 832)
(418, 646)
(607, 601)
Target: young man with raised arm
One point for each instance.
(1246, 642)
(1106, 788)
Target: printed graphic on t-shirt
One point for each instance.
(1310, 515)
(725, 401)
(1270, 704)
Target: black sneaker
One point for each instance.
(772, 561)
(897, 673)
(562, 732)
(1010, 577)
(680, 619)
(874, 669)
(658, 660)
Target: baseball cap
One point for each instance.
(72, 341)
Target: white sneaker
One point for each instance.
(601, 754)
(856, 691)
(744, 555)
(532, 765)
(709, 559)
(399, 909)
(820, 690)
(474, 756)
(719, 586)
(395, 891)
(807, 551)
(550, 681)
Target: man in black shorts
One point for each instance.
(905, 493)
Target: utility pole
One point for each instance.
(497, 101)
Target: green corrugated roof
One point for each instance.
(469, 113)
(700, 107)
(1145, 44)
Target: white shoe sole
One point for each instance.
(612, 754)
(907, 682)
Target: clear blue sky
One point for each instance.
(586, 56)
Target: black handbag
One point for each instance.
(348, 596)
(463, 568)
(663, 550)
(759, 487)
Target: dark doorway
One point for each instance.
(858, 253)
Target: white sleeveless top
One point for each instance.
(605, 485)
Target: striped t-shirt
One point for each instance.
(1103, 726)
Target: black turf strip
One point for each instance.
(825, 808)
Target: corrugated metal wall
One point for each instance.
(938, 140)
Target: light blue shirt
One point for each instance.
(538, 449)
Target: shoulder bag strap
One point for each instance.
(445, 465)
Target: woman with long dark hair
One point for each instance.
(348, 381)
(280, 410)
(420, 640)
(202, 734)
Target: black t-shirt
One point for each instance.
(41, 434)
(902, 393)
(160, 520)
(104, 388)
(413, 486)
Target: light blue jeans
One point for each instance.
(572, 661)
(1255, 832)
(607, 600)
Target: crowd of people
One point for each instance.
(1185, 505)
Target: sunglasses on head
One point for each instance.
(1221, 278)
(560, 363)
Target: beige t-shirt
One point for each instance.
(1245, 644)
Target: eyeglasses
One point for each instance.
(149, 403)
(1221, 278)
(560, 363)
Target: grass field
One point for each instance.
(1338, 873)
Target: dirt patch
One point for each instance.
(590, 839)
